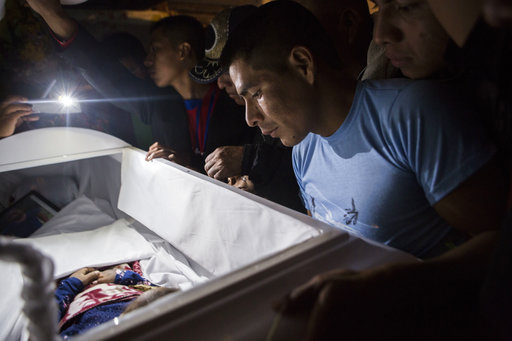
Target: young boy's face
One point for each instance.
(163, 61)
(278, 103)
(414, 40)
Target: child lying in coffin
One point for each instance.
(90, 296)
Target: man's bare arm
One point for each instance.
(397, 300)
(55, 17)
(478, 204)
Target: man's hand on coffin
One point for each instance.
(156, 150)
(224, 162)
(13, 113)
(354, 305)
(86, 275)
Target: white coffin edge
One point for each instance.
(45, 146)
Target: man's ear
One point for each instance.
(349, 25)
(301, 59)
(184, 50)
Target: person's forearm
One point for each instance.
(468, 261)
(444, 291)
(66, 292)
(62, 25)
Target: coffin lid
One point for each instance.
(54, 145)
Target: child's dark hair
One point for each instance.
(182, 28)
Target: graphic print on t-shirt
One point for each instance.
(351, 214)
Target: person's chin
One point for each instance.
(288, 142)
(416, 73)
(159, 84)
(157, 81)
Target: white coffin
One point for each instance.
(254, 251)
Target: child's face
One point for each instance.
(241, 182)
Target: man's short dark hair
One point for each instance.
(180, 29)
(265, 39)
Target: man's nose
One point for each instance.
(385, 29)
(252, 114)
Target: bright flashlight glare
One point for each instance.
(66, 101)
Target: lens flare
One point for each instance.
(66, 101)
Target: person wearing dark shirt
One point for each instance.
(263, 162)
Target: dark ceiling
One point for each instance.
(25, 44)
(101, 17)
(202, 9)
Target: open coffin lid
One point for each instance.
(55, 145)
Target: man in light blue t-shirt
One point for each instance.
(400, 162)
(392, 160)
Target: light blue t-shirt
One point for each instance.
(403, 146)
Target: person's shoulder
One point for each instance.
(412, 86)
(381, 95)
(387, 84)
(424, 93)
(303, 151)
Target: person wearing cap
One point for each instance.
(264, 165)
(188, 119)
(295, 89)
(259, 160)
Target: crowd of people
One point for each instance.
(383, 118)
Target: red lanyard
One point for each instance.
(205, 113)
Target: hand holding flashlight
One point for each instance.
(62, 105)
(13, 112)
